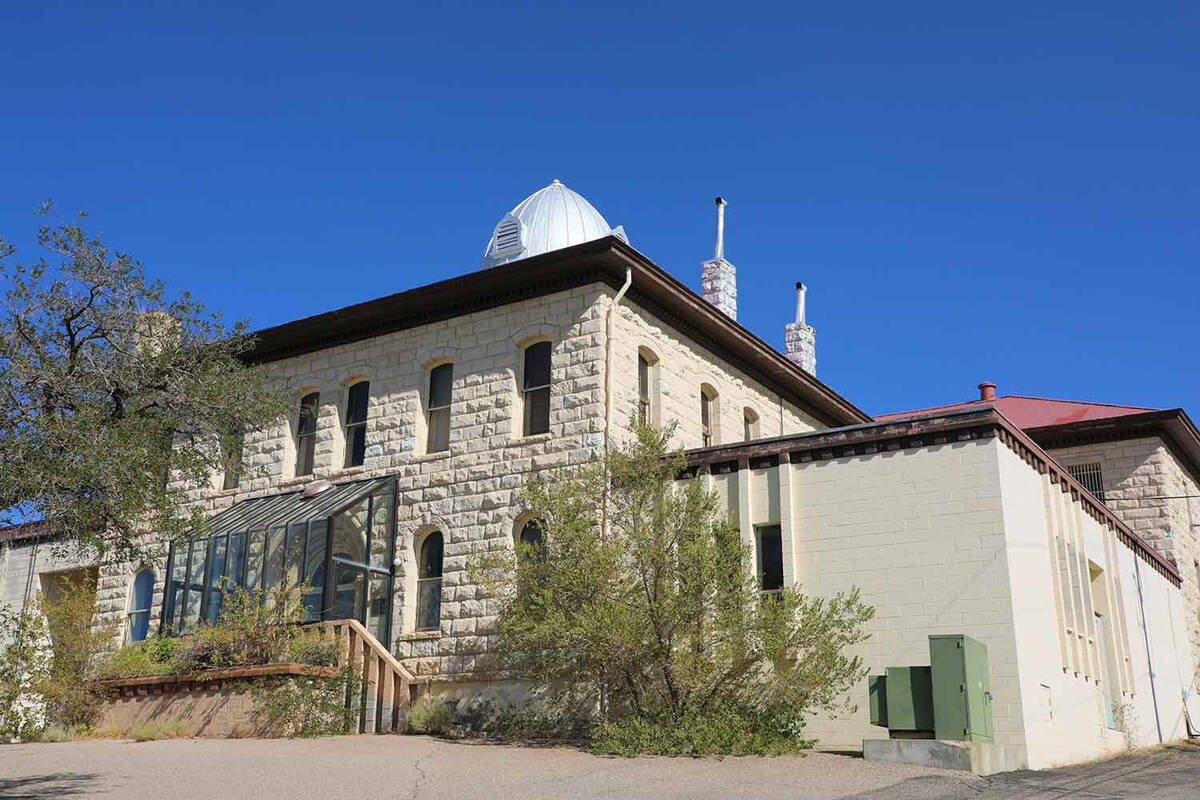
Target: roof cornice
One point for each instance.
(979, 422)
(1172, 425)
(600, 261)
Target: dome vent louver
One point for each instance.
(507, 240)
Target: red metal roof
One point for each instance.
(1034, 412)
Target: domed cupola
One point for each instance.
(549, 219)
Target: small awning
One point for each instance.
(293, 507)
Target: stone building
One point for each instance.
(418, 416)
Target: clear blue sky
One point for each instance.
(972, 191)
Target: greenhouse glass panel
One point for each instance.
(257, 544)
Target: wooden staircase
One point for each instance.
(385, 686)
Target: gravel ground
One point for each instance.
(417, 767)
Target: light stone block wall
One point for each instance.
(681, 367)
(471, 492)
(1151, 491)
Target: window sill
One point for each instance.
(418, 636)
(531, 439)
(426, 457)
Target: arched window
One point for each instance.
(535, 388)
(356, 422)
(647, 387)
(531, 535)
(749, 424)
(441, 381)
(140, 599)
(708, 416)
(429, 583)
(306, 432)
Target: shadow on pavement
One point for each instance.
(1172, 773)
(46, 787)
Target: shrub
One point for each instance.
(158, 729)
(314, 652)
(306, 706)
(158, 656)
(429, 715)
(648, 619)
(254, 627)
(24, 671)
(715, 733)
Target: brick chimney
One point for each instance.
(718, 278)
(987, 392)
(799, 338)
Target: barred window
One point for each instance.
(1090, 476)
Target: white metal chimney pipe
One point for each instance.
(719, 249)
(801, 291)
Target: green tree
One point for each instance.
(107, 388)
(641, 607)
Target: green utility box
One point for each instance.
(908, 698)
(962, 691)
(877, 699)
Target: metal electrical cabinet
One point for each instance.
(962, 691)
(909, 700)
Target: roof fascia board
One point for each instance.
(599, 261)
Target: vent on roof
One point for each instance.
(506, 241)
(1090, 476)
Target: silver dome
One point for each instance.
(549, 219)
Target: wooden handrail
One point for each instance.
(385, 685)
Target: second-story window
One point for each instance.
(356, 423)
(306, 432)
(708, 416)
(231, 453)
(441, 381)
(536, 388)
(643, 390)
(749, 424)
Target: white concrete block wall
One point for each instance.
(921, 533)
(1148, 488)
(1061, 710)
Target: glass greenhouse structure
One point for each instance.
(338, 542)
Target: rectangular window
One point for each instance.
(770, 557)
(306, 433)
(536, 388)
(706, 413)
(1090, 476)
(232, 452)
(643, 390)
(356, 423)
(441, 381)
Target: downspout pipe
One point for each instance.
(608, 355)
(608, 381)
